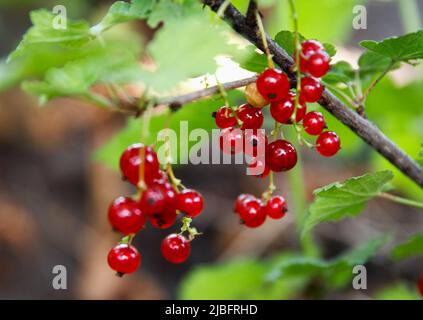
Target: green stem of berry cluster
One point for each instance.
(270, 62)
(186, 227)
(401, 200)
(224, 95)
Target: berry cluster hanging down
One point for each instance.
(273, 87)
(160, 201)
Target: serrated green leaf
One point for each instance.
(410, 248)
(189, 56)
(75, 34)
(399, 49)
(337, 271)
(121, 12)
(340, 200)
(110, 152)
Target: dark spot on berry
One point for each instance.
(272, 95)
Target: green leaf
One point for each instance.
(342, 72)
(239, 279)
(76, 34)
(121, 12)
(371, 63)
(398, 291)
(110, 152)
(340, 200)
(286, 39)
(76, 77)
(337, 271)
(189, 56)
(411, 248)
(399, 49)
(255, 62)
(173, 11)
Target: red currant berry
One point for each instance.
(420, 285)
(124, 258)
(318, 64)
(190, 201)
(273, 85)
(311, 89)
(328, 143)
(126, 216)
(239, 203)
(176, 248)
(252, 212)
(163, 220)
(314, 123)
(276, 207)
(231, 140)
(260, 167)
(310, 47)
(130, 162)
(224, 118)
(282, 111)
(281, 156)
(158, 197)
(251, 118)
(254, 142)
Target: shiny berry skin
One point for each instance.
(276, 207)
(254, 97)
(126, 216)
(252, 212)
(310, 47)
(318, 64)
(255, 141)
(273, 85)
(239, 203)
(124, 258)
(224, 118)
(190, 202)
(258, 166)
(251, 118)
(314, 123)
(282, 111)
(163, 220)
(420, 286)
(176, 248)
(157, 198)
(231, 140)
(328, 143)
(281, 156)
(311, 89)
(130, 162)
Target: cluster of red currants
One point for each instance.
(253, 212)
(160, 202)
(273, 87)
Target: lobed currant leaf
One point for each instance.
(340, 200)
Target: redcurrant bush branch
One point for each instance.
(362, 127)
